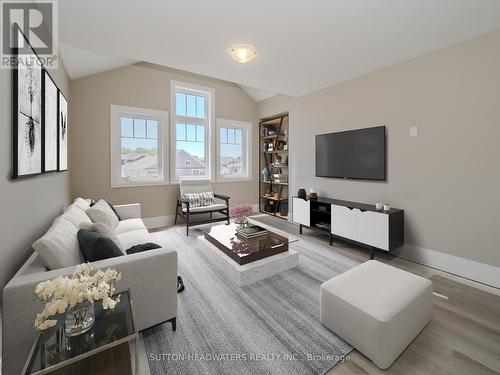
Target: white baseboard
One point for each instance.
(158, 221)
(469, 269)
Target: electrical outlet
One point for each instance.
(413, 131)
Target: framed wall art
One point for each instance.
(27, 113)
(49, 122)
(62, 131)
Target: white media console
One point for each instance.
(356, 222)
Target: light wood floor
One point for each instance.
(462, 338)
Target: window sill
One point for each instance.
(236, 179)
(118, 185)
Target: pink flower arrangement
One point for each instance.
(240, 211)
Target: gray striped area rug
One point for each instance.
(269, 327)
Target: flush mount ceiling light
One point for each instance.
(242, 53)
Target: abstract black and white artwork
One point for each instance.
(27, 117)
(63, 133)
(50, 123)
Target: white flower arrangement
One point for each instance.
(65, 292)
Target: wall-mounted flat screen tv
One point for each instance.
(356, 154)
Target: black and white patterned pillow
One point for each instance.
(199, 199)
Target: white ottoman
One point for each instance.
(376, 308)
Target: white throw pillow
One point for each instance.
(76, 216)
(103, 214)
(59, 248)
(84, 204)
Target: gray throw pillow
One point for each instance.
(103, 214)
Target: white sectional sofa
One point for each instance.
(150, 276)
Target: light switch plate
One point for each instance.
(413, 131)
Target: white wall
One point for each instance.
(27, 205)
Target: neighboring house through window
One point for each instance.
(138, 141)
(191, 135)
(234, 140)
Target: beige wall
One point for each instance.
(448, 178)
(28, 205)
(145, 86)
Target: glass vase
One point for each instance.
(242, 222)
(79, 318)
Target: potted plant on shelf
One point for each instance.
(75, 296)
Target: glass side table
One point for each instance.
(53, 351)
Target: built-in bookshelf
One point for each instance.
(273, 166)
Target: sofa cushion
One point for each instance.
(58, 248)
(96, 246)
(132, 238)
(76, 216)
(102, 213)
(129, 225)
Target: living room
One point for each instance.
(275, 187)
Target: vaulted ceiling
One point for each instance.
(303, 46)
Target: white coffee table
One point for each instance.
(244, 274)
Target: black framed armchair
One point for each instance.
(185, 209)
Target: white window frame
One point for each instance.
(117, 112)
(209, 94)
(247, 128)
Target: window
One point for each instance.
(191, 135)
(234, 140)
(138, 146)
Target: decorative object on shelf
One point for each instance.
(379, 206)
(271, 132)
(278, 159)
(387, 207)
(285, 147)
(302, 193)
(75, 296)
(312, 194)
(265, 174)
(240, 213)
(266, 145)
(281, 145)
(270, 146)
